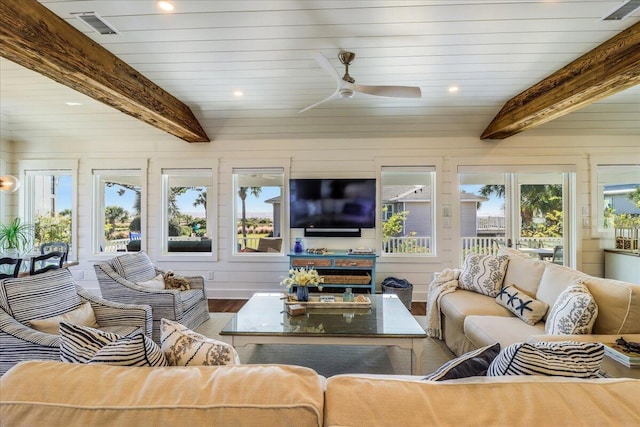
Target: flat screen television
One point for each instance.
(332, 203)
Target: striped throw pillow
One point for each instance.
(134, 267)
(564, 359)
(81, 344)
(471, 364)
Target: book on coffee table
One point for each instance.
(621, 355)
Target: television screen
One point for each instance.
(332, 203)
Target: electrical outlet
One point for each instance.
(210, 275)
(447, 222)
(80, 274)
(585, 222)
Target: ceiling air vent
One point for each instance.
(96, 22)
(623, 11)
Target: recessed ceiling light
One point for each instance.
(73, 104)
(453, 89)
(165, 5)
(238, 93)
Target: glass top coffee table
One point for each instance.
(263, 320)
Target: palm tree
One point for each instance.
(242, 193)
(115, 214)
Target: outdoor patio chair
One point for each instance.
(9, 267)
(120, 279)
(63, 247)
(45, 296)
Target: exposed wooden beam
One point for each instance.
(609, 68)
(36, 38)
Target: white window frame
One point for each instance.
(161, 199)
(593, 212)
(261, 166)
(426, 164)
(51, 168)
(97, 212)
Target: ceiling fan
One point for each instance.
(347, 87)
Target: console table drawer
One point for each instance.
(364, 263)
(310, 262)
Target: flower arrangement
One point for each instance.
(303, 277)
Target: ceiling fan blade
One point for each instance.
(390, 91)
(329, 98)
(324, 62)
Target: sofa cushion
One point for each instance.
(39, 393)
(485, 330)
(618, 306)
(483, 273)
(80, 344)
(528, 309)
(555, 279)
(135, 267)
(184, 347)
(460, 304)
(470, 364)
(574, 312)
(523, 271)
(82, 315)
(40, 296)
(565, 359)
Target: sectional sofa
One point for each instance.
(471, 320)
(62, 394)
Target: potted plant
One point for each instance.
(15, 238)
(302, 278)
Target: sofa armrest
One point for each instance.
(110, 313)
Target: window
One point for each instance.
(118, 216)
(187, 222)
(617, 197)
(258, 210)
(49, 202)
(408, 207)
(527, 210)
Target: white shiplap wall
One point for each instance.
(238, 277)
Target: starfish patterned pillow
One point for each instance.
(528, 309)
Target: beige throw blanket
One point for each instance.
(444, 283)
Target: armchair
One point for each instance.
(30, 298)
(119, 280)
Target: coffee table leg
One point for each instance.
(416, 356)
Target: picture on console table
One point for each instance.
(332, 203)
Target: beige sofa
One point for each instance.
(471, 320)
(52, 393)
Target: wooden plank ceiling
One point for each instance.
(204, 51)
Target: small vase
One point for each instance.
(302, 292)
(297, 247)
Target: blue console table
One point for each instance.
(344, 270)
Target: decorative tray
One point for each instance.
(314, 302)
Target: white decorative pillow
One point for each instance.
(528, 309)
(184, 347)
(563, 358)
(471, 364)
(574, 312)
(80, 344)
(483, 274)
(155, 283)
(82, 315)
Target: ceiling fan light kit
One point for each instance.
(346, 87)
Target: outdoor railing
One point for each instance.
(117, 245)
(249, 242)
(407, 245)
(490, 245)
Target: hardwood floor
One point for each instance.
(233, 305)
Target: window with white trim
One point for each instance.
(188, 225)
(408, 210)
(258, 210)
